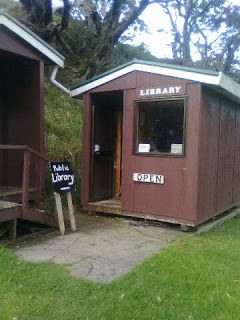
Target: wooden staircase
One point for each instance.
(11, 211)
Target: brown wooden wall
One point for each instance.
(22, 101)
(219, 177)
(11, 43)
(22, 118)
(198, 186)
(86, 149)
(1, 131)
(177, 198)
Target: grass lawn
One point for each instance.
(198, 278)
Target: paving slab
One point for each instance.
(103, 248)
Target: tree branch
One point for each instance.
(65, 15)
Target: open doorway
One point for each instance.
(21, 124)
(1, 134)
(107, 110)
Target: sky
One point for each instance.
(156, 42)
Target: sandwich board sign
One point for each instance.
(63, 182)
(62, 176)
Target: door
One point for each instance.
(117, 153)
(102, 152)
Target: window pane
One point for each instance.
(160, 126)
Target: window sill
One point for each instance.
(160, 155)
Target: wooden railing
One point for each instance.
(26, 168)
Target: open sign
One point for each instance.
(150, 178)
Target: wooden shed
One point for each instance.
(22, 58)
(160, 142)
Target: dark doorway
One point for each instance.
(20, 119)
(106, 145)
(1, 134)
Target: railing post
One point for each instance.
(25, 187)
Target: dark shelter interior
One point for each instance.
(19, 117)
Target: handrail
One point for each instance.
(24, 147)
(26, 168)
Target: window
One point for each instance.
(160, 127)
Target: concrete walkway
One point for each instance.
(102, 249)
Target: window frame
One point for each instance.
(136, 120)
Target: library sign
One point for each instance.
(62, 176)
(161, 91)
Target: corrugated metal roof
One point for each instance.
(217, 79)
(35, 41)
(164, 65)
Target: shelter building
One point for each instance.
(23, 56)
(160, 142)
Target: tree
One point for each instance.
(10, 6)
(85, 30)
(104, 22)
(40, 18)
(226, 49)
(210, 27)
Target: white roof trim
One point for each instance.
(182, 74)
(45, 49)
(219, 79)
(102, 80)
(177, 73)
(229, 85)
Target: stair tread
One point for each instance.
(8, 205)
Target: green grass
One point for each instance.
(197, 278)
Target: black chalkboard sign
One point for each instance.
(62, 176)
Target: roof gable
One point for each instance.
(216, 79)
(31, 38)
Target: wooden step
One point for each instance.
(105, 206)
(14, 194)
(9, 210)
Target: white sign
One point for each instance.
(143, 147)
(150, 178)
(176, 148)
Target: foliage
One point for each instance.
(123, 53)
(210, 27)
(7, 5)
(63, 138)
(86, 31)
(103, 23)
(40, 18)
(197, 278)
(63, 126)
(91, 33)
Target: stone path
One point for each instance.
(102, 249)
